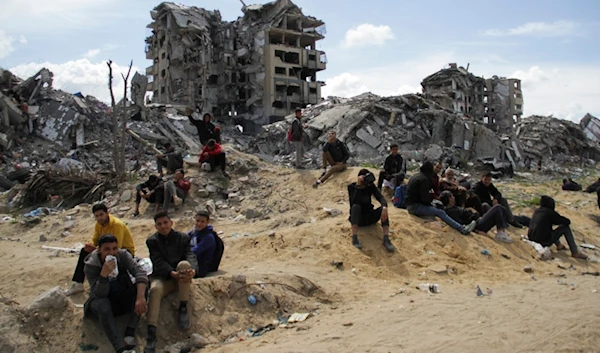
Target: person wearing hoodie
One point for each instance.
(115, 295)
(419, 198)
(214, 155)
(206, 129)
(570, 185)
(449, 183)
(496, 216)
(173, 267)
(204, 244)
(541, 228)
(490, 196)
(593, 187)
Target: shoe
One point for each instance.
(184, 319)
(580, 256)
(516, 224)
(387, 244)
(357, 244)
(135, 214)
(503, 237)
(177, 201)
(75, 289)
(150, 346)
(226, 175)
(315, 185)
(468, 228)
(129, 351)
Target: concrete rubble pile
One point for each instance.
(369, 124)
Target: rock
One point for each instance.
(433, 153)
(203, 193)
(43, 238)
(271, 233)
(198, 341)
(32, 221)
(69, 225)
(528, 269)
(439, 269)
(126, 196)
(252, 213)
(332, 211)
(54, 298)
(124, 209)
(73, 212)
(211, 207)
(233, 197)
(244, 179)
(65, 234)
(212, 189)
(232, 319)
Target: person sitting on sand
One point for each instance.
(173, 267)
(394, 169)
(540, 229)
(449, 183)
(418, 199)
(151, 190)
(485, 190)
(105, 224)
(362, 212)
(496, 216)
(112, 296)
(206, 245)
(570, 185)
(593, 187)
(435, 181)
(335, 155)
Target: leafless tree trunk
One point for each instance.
(119, 124)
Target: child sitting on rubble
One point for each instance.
(206, 245)
(213, 156)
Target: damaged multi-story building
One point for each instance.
(260, 67)
(496, 102)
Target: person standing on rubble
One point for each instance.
(394, 169)
(206, 129)
(297, 132)
(335, 155)
(490, 196)
(105, 224)
(172, 160)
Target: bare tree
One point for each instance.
(119, 120)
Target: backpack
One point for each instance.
(290, 137)
(219, 249)
(400, 196)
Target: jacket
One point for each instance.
(593, 187)
(571, 186)
(203, 245)
(362, 196)
(167, 251)
(184, 185)
(544, 218)
(174, 160)
(147, 185)
(394, 164)
(461, 215)
(417, 190)
(100, 286)
(338, 151)
(206, 130)
(117, 228)
(211, 152)
(297, 130)
(485, 193)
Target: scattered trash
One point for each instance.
(528, 269)
(75, 249)
(354, 271)
(571, 267)
(486, 252)
(506, 256)
(402, 291)
(337, 264)
(347, 324)
(429, 252)
(259, 331)
(543, 251)
(480, 293)
(332, 211)
(439, 269)
(588, 246)
(591, 273)
(252, 299)
(298, 317)
(429, 287)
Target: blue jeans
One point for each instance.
(420, 210)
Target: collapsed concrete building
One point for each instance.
(591, 126)
(496, 102)
(257, 69)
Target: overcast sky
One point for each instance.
(380, 46)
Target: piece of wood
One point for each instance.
(143, 142)
(192, 145)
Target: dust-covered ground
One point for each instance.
(368, 302)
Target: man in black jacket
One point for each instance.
(361, 209)
(297, 137)
(172, 160)
(173, 267)
(418, 199)
(206, 129)
(151, 190)
(335, 155)
(394, 169)
(496, 216)
(593, 187)
(112, 296)
(485, 190)
(570, 185)
(540, 228)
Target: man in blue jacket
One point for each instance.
(203, 243)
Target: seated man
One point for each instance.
(151, 190)
(448, 183)
(485, 190)
(540, 229)
(335, 155)
(176, 190)
(394, 169)
(496, 216)
(593, 187)
(172, 160)
(112, 296)
(173, 267)
(418, 199)
(570, 185)
(361, 209)
(214, 155)
(105, 224)
(435, 181)
(206, 245)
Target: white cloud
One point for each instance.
(6, 44)
(92, 53)
(22, 39)
(566, 91)
(554, 29)
(80, 76)
(367, 34)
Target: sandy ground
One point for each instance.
(370, 304)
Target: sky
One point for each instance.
(379, 46)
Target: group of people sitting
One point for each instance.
(119, 285)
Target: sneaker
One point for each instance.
(75, 289)
(516, 224)
(580, 256)
(316, 185)
(468, 228)
(387, 244)
(503, 237)
(184, 319)
(357, 244)
(177, 201)
(150, 346)
(130, 342)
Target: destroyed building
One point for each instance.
(496, 102)
(258, 68)
(591, 126)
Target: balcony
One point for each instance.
(150, 71)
